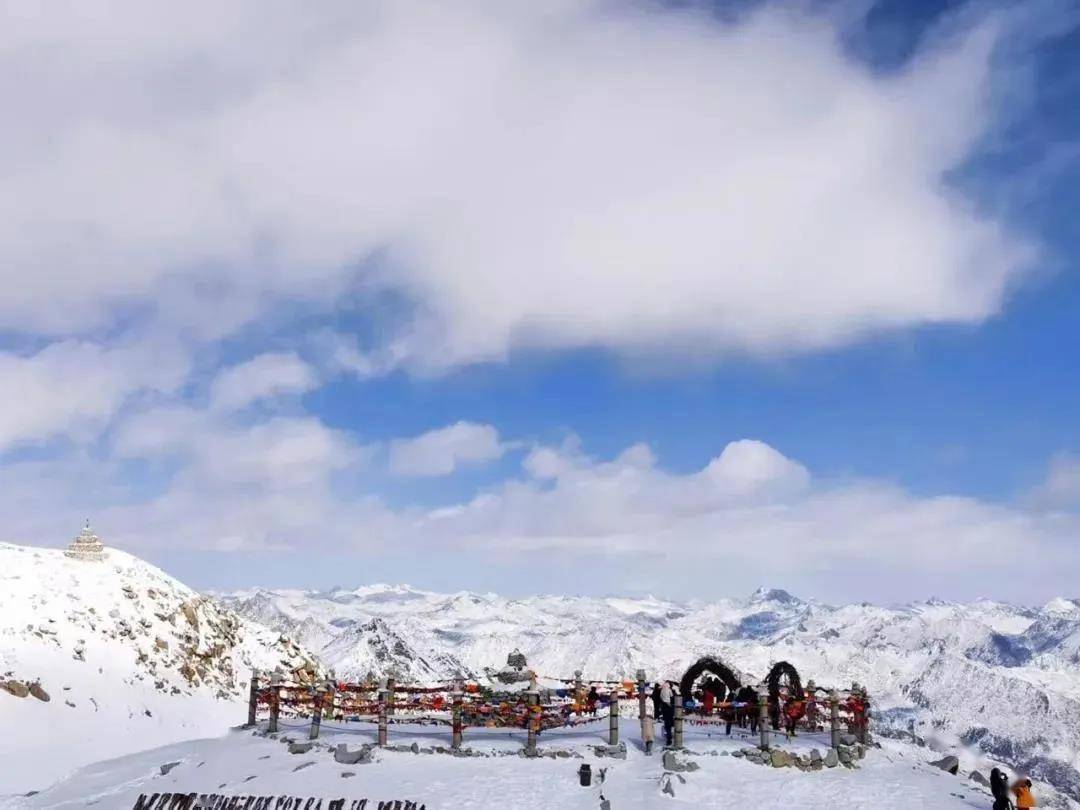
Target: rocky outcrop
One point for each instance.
(16, 688)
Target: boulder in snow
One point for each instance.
(949, 763)
(16, 688)
(343, 755)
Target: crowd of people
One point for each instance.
(741, 709)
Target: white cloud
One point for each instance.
(552, 175)
(750, 466)
(268, 375)
(275, 454)
(1061, 489)
(280, 485)
(442, 451)
(752, 515)
(75, 387)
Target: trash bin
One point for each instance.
(585, 775)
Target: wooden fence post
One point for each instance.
(864, 719)
(579, 692)
(853, 720)
(763, 716)
(253, 697)
(455, 715)
(834, 717)
(383, 692)
(316, 711)
(613, 717)
(641, 695)
(678, 711)
(275, 701)
(390, 683)
(532, 702)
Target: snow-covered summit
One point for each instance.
(126, 655)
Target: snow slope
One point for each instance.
(128, 657)
(242, 764)
(1002, 679)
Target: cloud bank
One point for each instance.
(187, 183)
(643, 179)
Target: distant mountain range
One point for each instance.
(1001, 678)
(131, 658)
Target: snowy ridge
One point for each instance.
(127, 656)
(1001, 678)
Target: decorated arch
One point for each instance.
(784, 676)
(714, 667)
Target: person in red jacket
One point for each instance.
(793, 713)
(708, 699)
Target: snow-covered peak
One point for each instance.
(778, 596)
(1062, 607)
(121, 645)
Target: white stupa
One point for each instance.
(86, 546)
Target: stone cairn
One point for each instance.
(86, 546)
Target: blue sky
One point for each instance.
(560, 301)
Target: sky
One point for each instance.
(584, 297)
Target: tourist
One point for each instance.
(592, 699)
(793, 712)
(999, 788)
(1022, 791)
(658, 706)
(667, 706)
(648, 728)
(751, 708)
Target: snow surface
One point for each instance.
(129, 657)
(895, 776)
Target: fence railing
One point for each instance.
(460, 705)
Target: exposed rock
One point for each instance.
(978, 778)
(780, 759)
(615, 751)
(189, 613)
(300, 747)
(848, 739)
(343, 755)
(161, 644)
(347, 774)
(668, 788)
(303, 765)
(949, 763)
(39, 693)
(831, 759)
(168, 766)
(16, 688)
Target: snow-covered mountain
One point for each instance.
(1001, 678)
(120, 657)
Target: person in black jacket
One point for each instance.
(657, 704)
(999, 787)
